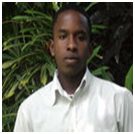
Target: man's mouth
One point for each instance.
(71, 59)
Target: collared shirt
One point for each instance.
(97, 105)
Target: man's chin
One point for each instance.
(72, 72)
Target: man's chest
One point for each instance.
(79, 117)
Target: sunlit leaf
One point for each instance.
(7, 64)
(43, 75)
(11, 91)
(55, 6)
(129, 79)
(22, 18)
(94, 53)
(90, 6)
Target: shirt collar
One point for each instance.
(56, 86)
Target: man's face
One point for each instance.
(70, 45)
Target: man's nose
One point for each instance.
(72, 44)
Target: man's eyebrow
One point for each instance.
(62, 30)
(81, 32)
(78, 31)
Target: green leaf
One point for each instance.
(11, 91)
(94, 54)
(22, 18)
(99, 71)
(15, 38)
(34, 39)
(8, 77)
(95, 31)
(24, 30)
(8, 115)
(39, 14)
(129, 79)
(7, 64)
(99, 26)
(43, 75)
(55, 6)
(103, 73)
(27, 75)
(90, 6)
(7, 47)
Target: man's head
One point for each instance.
(75, 8)
(71, 40)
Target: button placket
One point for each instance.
(73, 115)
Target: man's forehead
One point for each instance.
(71, 14)
(71, 18)
(75, 31)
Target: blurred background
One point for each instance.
(26, 61)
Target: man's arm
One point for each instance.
(125, 112)
(22, 123)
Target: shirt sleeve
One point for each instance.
(125, 111)
(22, 123)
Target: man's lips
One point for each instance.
(71, 59)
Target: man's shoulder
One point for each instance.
(109, 88)
(42, 95)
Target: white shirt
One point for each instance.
(97, 105)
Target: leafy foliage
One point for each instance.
(27, 64)
(129, 79)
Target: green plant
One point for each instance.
(27, 64)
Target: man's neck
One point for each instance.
(70, 84)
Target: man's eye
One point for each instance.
(62, 36)
(81, 37)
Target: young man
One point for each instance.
(75, 100)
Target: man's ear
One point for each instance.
(51, 47)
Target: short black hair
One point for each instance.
(74, 7)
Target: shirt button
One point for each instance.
(71, 96)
